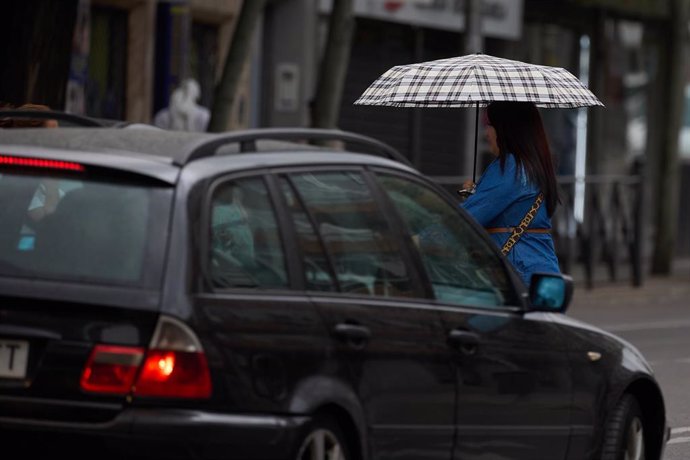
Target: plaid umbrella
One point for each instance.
(475, 80)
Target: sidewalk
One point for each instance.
(615, 304)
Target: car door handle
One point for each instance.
(352, 332)
(466, 341)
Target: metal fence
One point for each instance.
(598, 224)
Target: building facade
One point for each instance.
(129, 55)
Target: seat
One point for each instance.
(96, 231)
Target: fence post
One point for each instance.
(638, 222)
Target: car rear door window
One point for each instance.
(365, 254)
(246, 249)
(462, 268)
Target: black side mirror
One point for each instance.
(550, 292)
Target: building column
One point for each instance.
(140, 58)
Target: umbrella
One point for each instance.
(475, 80)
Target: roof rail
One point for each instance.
(51, 115)
(247, 141)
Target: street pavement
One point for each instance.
(656, 319)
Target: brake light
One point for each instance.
(174, 366)
(40, 163)
(175, 374)
(111, 369)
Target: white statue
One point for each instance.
(183, 113)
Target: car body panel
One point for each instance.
(242, 332)
(402, 374)
(514, 386)
(600, 379)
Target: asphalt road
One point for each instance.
(656, 319)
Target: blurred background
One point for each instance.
(624, 169)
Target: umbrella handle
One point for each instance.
(476, 128)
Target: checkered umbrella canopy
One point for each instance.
(475, 80)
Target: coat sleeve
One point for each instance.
(495, 192)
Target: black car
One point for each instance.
(245, 296)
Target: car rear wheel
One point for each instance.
(322, 440)
(624, 439)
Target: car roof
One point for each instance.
(181, 147)
(158, 145)
(142, 147)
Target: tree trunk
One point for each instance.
(36, 39)
(667, 178)
(334, 65)
(226, 90)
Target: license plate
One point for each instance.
(14, 355)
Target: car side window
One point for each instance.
(317, 274)
(246, 249)
(462, 267)
(365, 254)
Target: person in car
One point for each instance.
(521, 178)
(232, 234)
(48, 192)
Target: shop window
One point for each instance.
(107, 70)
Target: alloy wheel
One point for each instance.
(634, 449)
(321, 444)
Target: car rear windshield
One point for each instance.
(87, 228)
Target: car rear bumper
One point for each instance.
(159, 433)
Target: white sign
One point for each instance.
(500, 18)
(14, 356)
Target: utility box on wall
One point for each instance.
(289, 50)
(287, 81)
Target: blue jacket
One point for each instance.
(502, 199)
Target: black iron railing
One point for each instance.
(600, 221)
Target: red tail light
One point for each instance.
(174, 366)
(111, 369)
(40, 163)
(175, 374)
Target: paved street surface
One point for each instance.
(656, 319)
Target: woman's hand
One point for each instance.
(467, 189)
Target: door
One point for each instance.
(514, 390)
(360, 279)
(265, 338)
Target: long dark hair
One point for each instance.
(520, 131)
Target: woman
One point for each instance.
(521, 172)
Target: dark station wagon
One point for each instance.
(248, 296)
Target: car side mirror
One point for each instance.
(550, 292)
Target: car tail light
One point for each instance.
(174, 366)
(40, 163)
(111, 369)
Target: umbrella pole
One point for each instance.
(476, 127)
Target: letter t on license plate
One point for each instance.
(14, 355)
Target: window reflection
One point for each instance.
(461, 266)
(365, 255)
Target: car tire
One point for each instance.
(322, 439)
(624, 436)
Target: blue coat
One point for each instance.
(502, 199)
